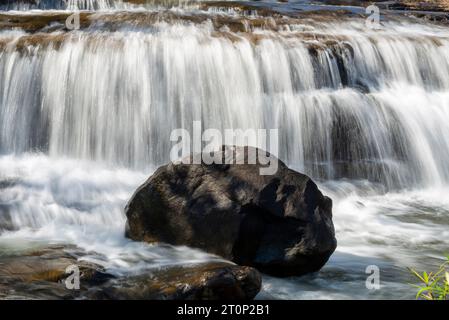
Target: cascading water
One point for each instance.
(60, 4)
(86, 116)
(23, 5)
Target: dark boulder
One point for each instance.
(280, 223)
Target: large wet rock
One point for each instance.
(280, 224)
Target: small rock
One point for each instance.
(210, 281)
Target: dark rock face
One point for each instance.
(280, 224)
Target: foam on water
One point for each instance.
(65, 201)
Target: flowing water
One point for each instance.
(86, 116)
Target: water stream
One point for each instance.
(86, 116)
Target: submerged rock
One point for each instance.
(280, 224)
(210, 281)
(41, 274)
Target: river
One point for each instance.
(86, 117)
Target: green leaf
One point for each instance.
(421, 291)
(434, 284)
(425, 277)
(416, 274)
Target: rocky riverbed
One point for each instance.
(48, 273)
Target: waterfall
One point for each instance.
(24, 5)
(100, 5)
(349, 102)
(86, 116)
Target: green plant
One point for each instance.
(434, 285)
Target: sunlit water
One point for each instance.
(86, 117)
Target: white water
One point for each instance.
(116, 98)
(367, 116)
(25, 5)
(97, 5)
